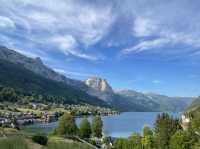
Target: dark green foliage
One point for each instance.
(8, 94)
(147, 131)
(165, 127)
(97, 126)
(167, 135)
(121, 144)
(195, 122)
(181, 140)
(85, 129)
(40, 139)
(134, 142)
(148, 138)
(66, 126)
(39, 88)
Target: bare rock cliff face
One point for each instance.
(100, 88)
(99, 84)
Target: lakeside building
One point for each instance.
(185, 121)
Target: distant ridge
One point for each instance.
(131, 100)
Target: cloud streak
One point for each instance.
(161, 24)
(86, 24)
(80, 28)
(72, 73)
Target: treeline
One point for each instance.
(67, 127)
(11, 95)
(8, 94)
(167, 134)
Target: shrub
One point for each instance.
(40, 139)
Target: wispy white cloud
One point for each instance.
(147, 25)
(68, 45)
(143, 27)
(6, 22)
(156, 81)
(160, 23)
(85, 23)
(146, 45)
(72, 73)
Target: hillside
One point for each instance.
(170, 103)
(24, 80)
(195, 105)
(36, 65)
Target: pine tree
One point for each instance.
(165, 127)
(85, 129)
(97, 126)
(67, 125)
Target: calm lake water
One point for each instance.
(122, 125)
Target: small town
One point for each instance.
(11, 116)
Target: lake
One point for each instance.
(122, 125)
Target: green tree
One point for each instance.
(147, 139)
(147, 131)
(67, 125)
(181, 140)
(97, 126)
(8, 94)
(165, 127)
(195, 123)
(121, 143)
(85, 129)
(135, 141)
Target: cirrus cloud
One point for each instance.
(37, 21)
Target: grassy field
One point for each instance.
(53, 143)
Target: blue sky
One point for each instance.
(148, 46)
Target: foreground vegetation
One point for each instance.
(167, 134)
(66, 135)
(24, 143)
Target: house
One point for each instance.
(4, 121)
(185, 122)
(26, 118)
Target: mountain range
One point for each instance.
(133, 100)
(29, 74)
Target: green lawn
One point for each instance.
(53, 143)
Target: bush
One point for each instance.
(40, 139)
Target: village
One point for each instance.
(13, 116)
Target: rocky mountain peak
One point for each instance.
(38, 60)
(99, 84)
